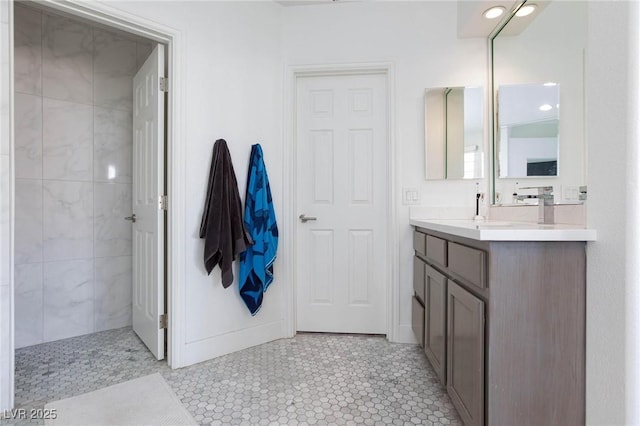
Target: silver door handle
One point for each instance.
(304, 219)
(132, 218)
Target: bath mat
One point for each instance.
(145, 401)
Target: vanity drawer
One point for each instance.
(417, 320)
(468, 263)
(418, 278)
(419, 244)
(437, 250)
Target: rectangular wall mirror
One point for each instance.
(538, 66)
(454, 131)
(528, 123)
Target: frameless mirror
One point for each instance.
(547, 46)
(454, 133)
(528, 121)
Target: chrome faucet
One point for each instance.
(545, 202)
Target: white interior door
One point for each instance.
(342, 182)
(148, 187)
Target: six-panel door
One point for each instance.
(342, 267)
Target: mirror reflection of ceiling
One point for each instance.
(528, 103)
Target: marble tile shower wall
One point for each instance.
(73, 169)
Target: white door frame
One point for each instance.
(290, 208)
(175, 167)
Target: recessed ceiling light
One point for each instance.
(545, 107)
(494, 12)
(550, 84)
(526, 10)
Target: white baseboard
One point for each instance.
(405, 334)
(224, 344)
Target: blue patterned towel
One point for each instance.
(256, 263)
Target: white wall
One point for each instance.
(420, 39)
(6, 185)
(319, 35)
(632, 248)
(613, 276)
(521, 150)
(233, 90)
(6, 207)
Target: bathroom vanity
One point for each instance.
(499, 308)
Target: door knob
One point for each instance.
(304, 219)
(132, 218)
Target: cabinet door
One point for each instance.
(465, 354)
(418, 278)
(435, 327)
(417, 320)
(419, 242)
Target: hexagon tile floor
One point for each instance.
(310, 379)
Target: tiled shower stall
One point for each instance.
(73, 175)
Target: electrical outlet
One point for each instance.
(570, 192)
(410, 196)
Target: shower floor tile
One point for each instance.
(310, 379)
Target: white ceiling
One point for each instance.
(289, 3)
(472, 23)
(301, 2)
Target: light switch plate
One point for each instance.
(410, 196)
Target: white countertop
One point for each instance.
(488, 230)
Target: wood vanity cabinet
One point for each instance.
(504, 326)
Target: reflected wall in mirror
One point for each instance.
(528, 122)
(547, 46)
(454, 133)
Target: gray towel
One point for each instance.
(222, 227)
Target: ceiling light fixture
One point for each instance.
(545, 107)
(550, 84)
(493, 12)
(526, 10)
